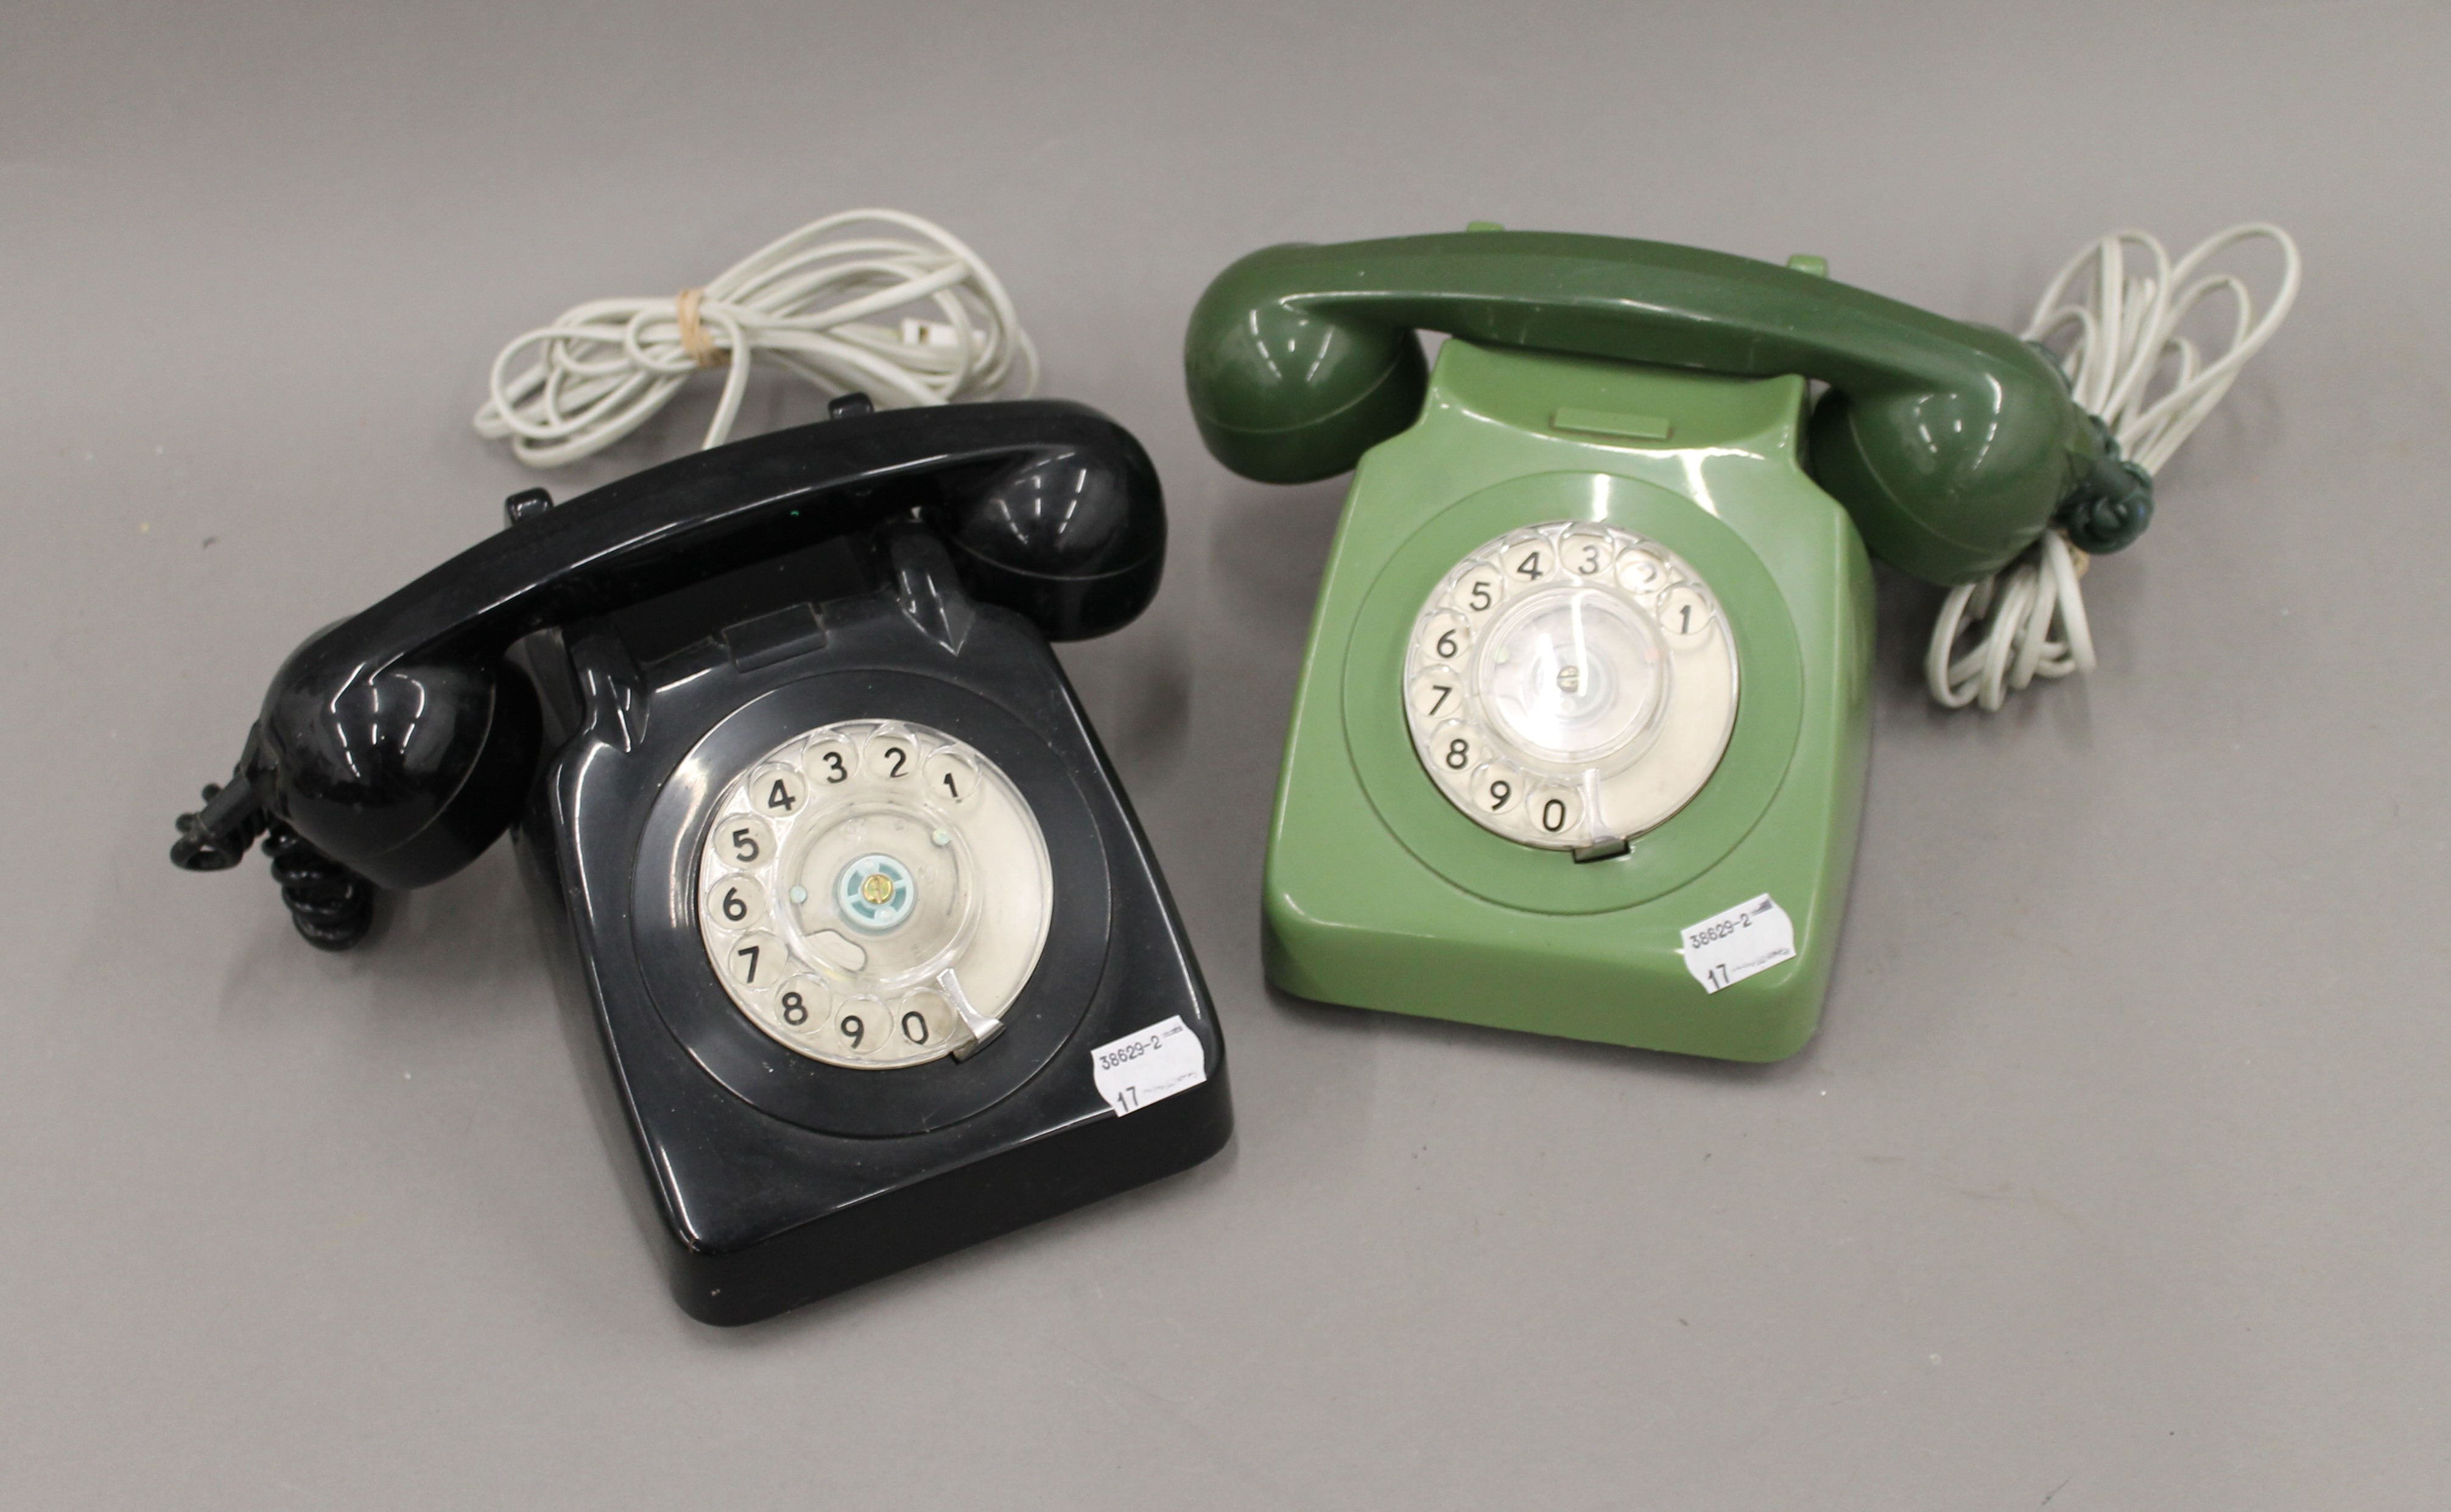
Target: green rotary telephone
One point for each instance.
(1579, 745)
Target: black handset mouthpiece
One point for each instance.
(217, 837)
(332, 906)
(394, 745)
(405, 771)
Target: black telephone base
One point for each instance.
(1097, 1157)
(778, 1179)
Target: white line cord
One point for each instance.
(806, 304)
(2126, 364)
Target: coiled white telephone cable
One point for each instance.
(808, 304)
(2125, 342)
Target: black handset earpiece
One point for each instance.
(1953, 445)
(395, 743)
(1073, 537)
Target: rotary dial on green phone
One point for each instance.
(1570, 685)
(873, 894)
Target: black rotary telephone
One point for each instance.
(877, 953)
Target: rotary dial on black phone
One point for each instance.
(873, 894)
(1570, 685)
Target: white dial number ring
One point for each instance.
(1570, 684)
(849, 868)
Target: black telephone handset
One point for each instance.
(394, 745)
(851, 894)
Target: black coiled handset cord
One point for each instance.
(332, 906)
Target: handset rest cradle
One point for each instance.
(1953, 445)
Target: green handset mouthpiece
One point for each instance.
(1954, 446)
(2112, 505)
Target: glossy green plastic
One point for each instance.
(1380, 894)
(1953, 445)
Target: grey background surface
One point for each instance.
(2114, 1179)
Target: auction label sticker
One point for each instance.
(1726, 948)
(1155, 1064)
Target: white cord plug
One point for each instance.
(2126, 364)
(572, 389)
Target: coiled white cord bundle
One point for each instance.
(2125, 343)
(570, 389)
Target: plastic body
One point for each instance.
(777, 1179)
(1380, 894)
(1953, 445)
(904, 565)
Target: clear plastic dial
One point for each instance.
(1570, 685)
(873, 894)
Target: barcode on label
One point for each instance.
(1726, 948)
(1138, 1070)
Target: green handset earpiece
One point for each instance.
(1579, 742)
(1954, 446)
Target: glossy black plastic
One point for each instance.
(390, 742)
(906, 564)
(777, 1179)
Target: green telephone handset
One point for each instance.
(1578, 743)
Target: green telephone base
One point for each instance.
(1382, 893)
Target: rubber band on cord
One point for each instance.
(2121, 347)
(692, 330)
(806, 304)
